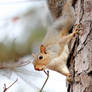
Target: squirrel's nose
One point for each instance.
(38, 68)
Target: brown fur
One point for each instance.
(55, 49)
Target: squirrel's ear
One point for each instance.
(33, 55)
(43, 49)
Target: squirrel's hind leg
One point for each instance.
(65, 71)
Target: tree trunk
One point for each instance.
(80, 60)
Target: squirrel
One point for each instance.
(54, 50)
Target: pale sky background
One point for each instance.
(10, 9)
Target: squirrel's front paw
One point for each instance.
(77, 28)
(75, 32)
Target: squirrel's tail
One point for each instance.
(70, 2)
(67, 20)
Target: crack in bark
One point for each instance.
(90, 73)
(85, 42)
(82, 8)
(72, 62)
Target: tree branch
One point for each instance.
(6, 88)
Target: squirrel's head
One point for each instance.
(42, 59)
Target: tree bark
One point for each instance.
(80, 60)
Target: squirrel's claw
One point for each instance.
(69, 78)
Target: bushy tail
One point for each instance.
(67, 20)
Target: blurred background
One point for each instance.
(27, 21)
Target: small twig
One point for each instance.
(6, 88)
(47, 73)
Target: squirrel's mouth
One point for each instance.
(39, 68)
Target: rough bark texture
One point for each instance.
(80, 61)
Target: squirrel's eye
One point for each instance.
(40, 57)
